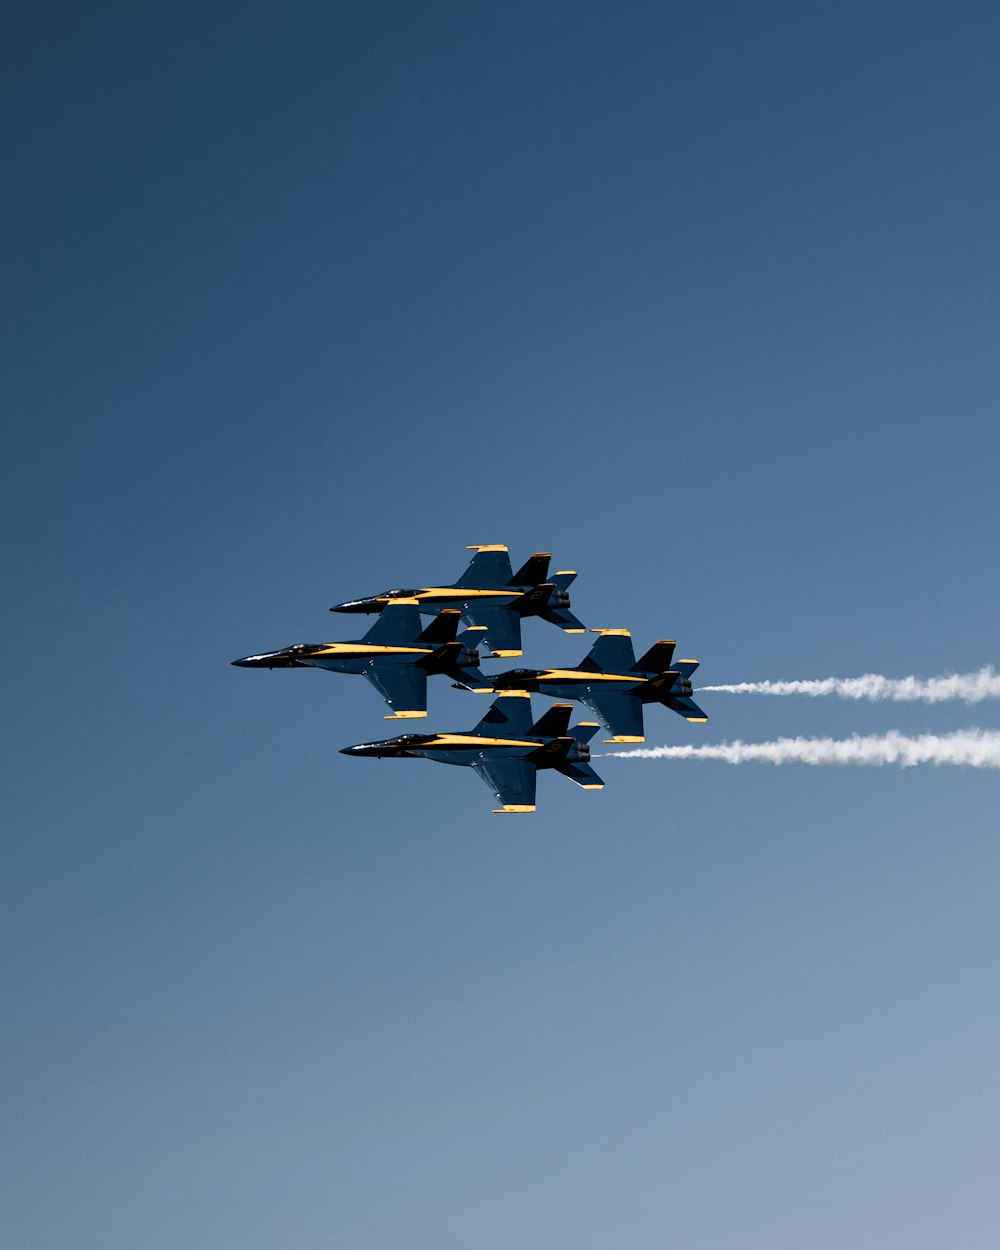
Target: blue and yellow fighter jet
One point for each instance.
(505, 749)
(396, 655)
(489, 595)
(614, 684)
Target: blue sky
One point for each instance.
(301, 300)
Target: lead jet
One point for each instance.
(396, 655)
(614, 684)
(505, 749)
(489, 595)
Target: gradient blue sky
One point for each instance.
(300, 300)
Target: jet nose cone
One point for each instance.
(373, 749)
(270, 659)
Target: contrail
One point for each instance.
(968, 748)
(969, 687)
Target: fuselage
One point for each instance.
(465, 749)
(344, 657)
(432, 598)
(569, 683)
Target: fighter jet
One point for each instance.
(614, 684)
(489, 595)
(396, 655)
(505, 749)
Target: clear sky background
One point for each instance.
(300, 299)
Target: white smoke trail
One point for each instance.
(969, 748)
(969, 687)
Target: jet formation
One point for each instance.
(506, 748)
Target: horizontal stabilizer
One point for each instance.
(686, 668)
(584, 731)
(471, 679)
(583, 775)
(554, 722)
(565, 620)
(657, 659)
(533, 571)
(687, 708)
(443, 628)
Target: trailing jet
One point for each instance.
(396, 655)
(505, 749)
(489, 595)
(614, 684)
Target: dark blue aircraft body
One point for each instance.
(614, 685)
(490, 596)
(397, 655)
(505, 749)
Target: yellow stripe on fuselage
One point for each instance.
(357, 650)
(585, 678)
(430, 593)
(471, 740)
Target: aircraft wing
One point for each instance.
(512, 780)
(403, 686)
(502, 626)
(398, 625)
(611, 653)
(620, 710)
(509, 716)
(488, 569)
